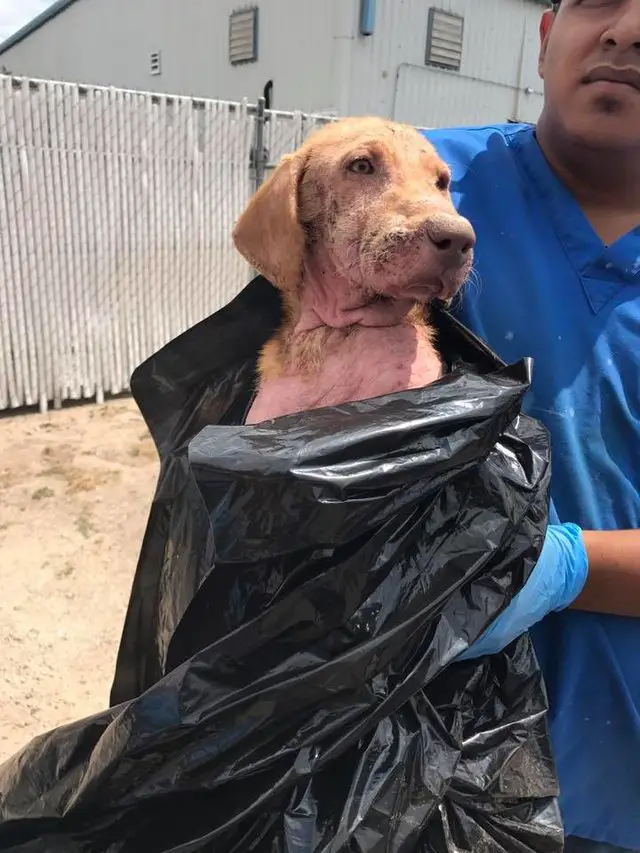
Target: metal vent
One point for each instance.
(155, 66)
(444, 39)
(243, 36)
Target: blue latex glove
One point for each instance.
(555, 582)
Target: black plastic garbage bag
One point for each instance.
(286, 680)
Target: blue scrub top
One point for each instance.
(548, 287)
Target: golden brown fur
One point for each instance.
(322, 218)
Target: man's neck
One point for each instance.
(606, 184)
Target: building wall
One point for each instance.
(311, 50)
(499, 60)
(108, 42)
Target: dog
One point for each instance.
(358, 231)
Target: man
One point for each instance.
(557, 214)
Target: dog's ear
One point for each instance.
(269, 234)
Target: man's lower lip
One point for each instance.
(612, 85)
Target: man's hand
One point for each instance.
(613, 581)
(555, 582)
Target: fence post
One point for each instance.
(260, 162)
(259, 155)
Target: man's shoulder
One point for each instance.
(490, 177)
(459, 146)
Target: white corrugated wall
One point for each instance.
(310, 49)
(110, 42)
(499, 64)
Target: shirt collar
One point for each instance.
(617, 263)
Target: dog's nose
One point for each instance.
(452, 236)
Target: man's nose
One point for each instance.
(623, 32)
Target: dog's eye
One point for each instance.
(361, 166)
(444, 182)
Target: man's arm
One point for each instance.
(613, 581)
(592, 570)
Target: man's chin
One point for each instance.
(607, 126)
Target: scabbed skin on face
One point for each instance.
(357, 229)
(371, 233)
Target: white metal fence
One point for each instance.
(116, 209)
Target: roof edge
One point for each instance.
(35, 24)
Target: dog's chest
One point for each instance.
(370, 362)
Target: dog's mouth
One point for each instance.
(408, 270)
(433, 290)
(424, 292)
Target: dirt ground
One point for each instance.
(75, 489)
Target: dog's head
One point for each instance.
(367, 199)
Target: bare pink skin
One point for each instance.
(327, 299)
(374, 348)
(358, 231)
(354, 370)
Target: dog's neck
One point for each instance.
(330, 367)
(329, 299)
(333, 318)
(337, 346)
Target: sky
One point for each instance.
(15, 13)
